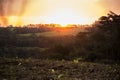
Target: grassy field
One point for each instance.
(35, 69)
(63, 32)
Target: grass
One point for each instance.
(57, 33)
(31, 48)
(36, 69)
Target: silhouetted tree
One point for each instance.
(103, 41)
(108, 35)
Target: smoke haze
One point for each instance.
(54, 11)
(11, 8)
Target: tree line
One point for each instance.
(100, 42)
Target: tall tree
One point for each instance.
(109, 28)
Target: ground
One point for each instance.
(36, 69)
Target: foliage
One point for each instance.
(101, 42)
(104, 40)
(109, 29)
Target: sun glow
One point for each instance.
(61, 12)
(66, 16)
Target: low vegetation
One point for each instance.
(37, 69)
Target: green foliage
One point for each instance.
(53, 70)
(76, 61)
(60, 76)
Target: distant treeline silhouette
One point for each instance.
(100, 42)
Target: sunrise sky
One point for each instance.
(59, 11)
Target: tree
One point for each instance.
(109, 29)
(103, 41)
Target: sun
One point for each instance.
(62, 16)
(66, 16)
(61, 12)
(63, 24)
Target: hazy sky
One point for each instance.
(113, 5)
(63, 11)
(94, 7)
(71, 11)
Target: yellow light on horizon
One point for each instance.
(61, 12)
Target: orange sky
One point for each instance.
(62, 11)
